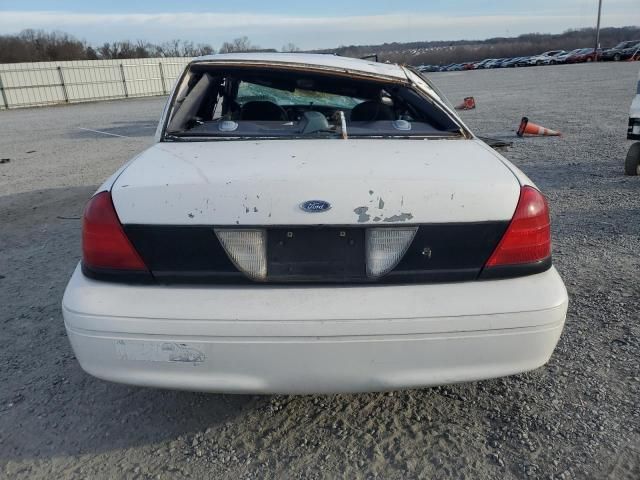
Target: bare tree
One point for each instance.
(171, 48)
(241, 44)
(108, 51)
(290, 47)
(205, 49)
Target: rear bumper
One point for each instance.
(313, 339)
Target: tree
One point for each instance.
(91, 53)
(290, 47)
(241, 44)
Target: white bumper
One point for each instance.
(282, 339)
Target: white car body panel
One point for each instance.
(366, 181)
(248, 339)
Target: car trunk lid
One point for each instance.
(366, 182)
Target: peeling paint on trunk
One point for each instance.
(403, 217)
(362, 214)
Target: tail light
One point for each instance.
(528, 236)
(104, 243)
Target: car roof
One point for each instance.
(314, 59)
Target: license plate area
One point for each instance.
(316, 254)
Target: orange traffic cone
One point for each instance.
(530, 128)
(469, 103)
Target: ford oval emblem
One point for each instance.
(315, 206)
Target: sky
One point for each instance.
(309, 24)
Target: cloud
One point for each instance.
(307, 31)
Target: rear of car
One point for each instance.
(309, 223)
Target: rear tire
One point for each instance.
(589, 59)
(616, 57)
(632, 162)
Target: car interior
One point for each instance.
(241, 102)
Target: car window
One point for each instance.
(253, 92)
(278, 103)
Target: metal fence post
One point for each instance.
(124, 81)
(164, 87)
(64, 87)
(4, 95)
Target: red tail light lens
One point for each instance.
(528, 236)
(104, 243)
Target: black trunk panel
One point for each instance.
(320, 254)
(438, 253)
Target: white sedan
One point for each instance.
(546, 58)
(313, 223)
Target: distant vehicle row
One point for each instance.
(629, 50)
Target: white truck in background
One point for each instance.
(632, 162)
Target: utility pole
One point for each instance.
(595, 57)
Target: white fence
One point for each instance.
(47, 83)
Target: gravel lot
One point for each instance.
(577, 417)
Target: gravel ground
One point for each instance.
(577, 417)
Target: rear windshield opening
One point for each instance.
(261, 103)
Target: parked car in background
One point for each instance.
(553, 59)
(517, 62)
(583, 55)
(495, 63)
(483, 64)
(622, 51)
(631, 53)
(214, 263)
(428, 68)
(562, 58)
(545, 58)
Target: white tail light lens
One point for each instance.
(247, 249)
(385, 248)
